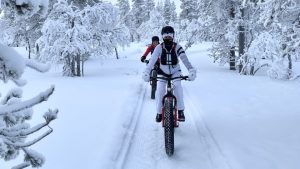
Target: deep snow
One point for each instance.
(106, 119)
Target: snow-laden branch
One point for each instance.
(21, 132)
(34, 158)
(21, 166)
(20, 82)
(40, 67)
(30, 143)
(43, 96)
(12, 63)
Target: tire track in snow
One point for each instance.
(144, 143)
(147, 141)
(130, 128)
(205, 132)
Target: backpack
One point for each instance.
(168, 57)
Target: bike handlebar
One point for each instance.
(171, 78)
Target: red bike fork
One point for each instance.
(163, 117)
(176, 124)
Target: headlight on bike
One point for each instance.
(169, 89)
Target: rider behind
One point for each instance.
(155, 42)
(168, 52)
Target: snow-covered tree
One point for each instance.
(153, 26)
(8, 26)
(83, 3)
(106, 32)
(149, 6)
(281, 33)
(160, 6)
(16, 135)
(173, 12)
(188, 9)
(25, 8)
(124, 7)
(167, 11)
(70, 36)
(139, 13)
(14, 112)
(64, 39)
(256, 28)
(125, 17)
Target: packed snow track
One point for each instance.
(143, 143)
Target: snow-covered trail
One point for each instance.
(195, 146)
(106, 118)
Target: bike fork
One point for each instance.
(176, 123)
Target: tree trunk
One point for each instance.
(132, 38)
(73, 67)
(37, 48)
(29, 48)
(232, 59)
(290, 68)
(232, 49)
(242, 43)
(117, 55)
(82, 66)
(29, 51)
(78, 71)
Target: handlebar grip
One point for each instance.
(185, 77)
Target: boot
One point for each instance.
(181, 116)
(158, 118)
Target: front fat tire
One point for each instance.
(169, 127)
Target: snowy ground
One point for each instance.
(106, 119)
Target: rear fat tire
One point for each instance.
(153, 84)
(169, 126)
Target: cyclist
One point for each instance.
(168, 52)
(155, 42)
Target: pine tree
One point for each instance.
(22, 31)
(188, 9)
(153, 26)
(160, 7)
(139, 13)
(173, 12)
(14, 112)
(83, 3)
(124, 8)
(167, 11)
(105, 29)
(26, 8)
(125, 17)
(149, 6)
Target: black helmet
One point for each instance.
(167, 29)
(155, 38)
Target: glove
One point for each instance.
(192, 74)
(143, 59)
(146, 76)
